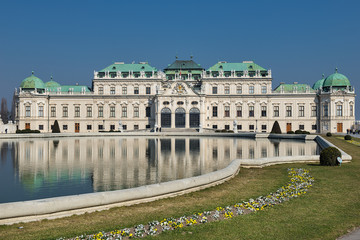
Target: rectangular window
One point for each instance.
(148, 111)
(251, 127)
(239, 111)
(88, 127)
(77, 111)
(148, 90)
(124, 127)
(326, 110)
(41, 111)
(276, 111)
(227, 90)
(214, 126)
(214, 90)
(263, 89)
(263, 127)
(53, 111)
(112, 127)
(41, 127)
(136, 127)
(239, 90)
(351, 110)
(27, 125)
(100, 111)
(112, 111)
(65, 127)
(339, 110)
(136, 90)
(263, 111)
(27, 111)
(239, 127)
(147, 126)
(251, 111)
(100, 127)
(101, 90)
(227, 111)
(124, 90)
(301, 127)
(65, 111)
(313, 127)
(136, 111)
(227, 127)
(214, 111)
(89, 111)
(112, 90)
(301, 111)
(251, 90)
(288, 111)
(124, 112)
(313, 111)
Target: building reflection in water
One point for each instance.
(112, 163)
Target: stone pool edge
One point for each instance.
(57, 207)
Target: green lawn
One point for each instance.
(328, 210)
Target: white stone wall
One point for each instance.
(167, 91)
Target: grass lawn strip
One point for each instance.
(300, 182)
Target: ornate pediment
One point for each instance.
(179, 89)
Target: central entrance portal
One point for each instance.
(194, 118)
(166, 118)
(180, 118)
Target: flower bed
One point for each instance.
(300, 182)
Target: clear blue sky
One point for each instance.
(298, 40)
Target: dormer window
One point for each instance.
(114, 67)
(142, 67)
(251, 67)
(221, 66)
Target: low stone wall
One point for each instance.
(126, 196)
(323, 143)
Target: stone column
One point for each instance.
(187, 119)
(173, 119)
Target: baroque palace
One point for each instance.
(233, 96)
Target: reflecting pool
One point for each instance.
(42, 168)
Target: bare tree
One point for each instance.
(4, 111)
(13, 107)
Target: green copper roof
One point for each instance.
(66, 88)
(319, 83)
(289, 88)
(336, 80)
(51, 83)
(32, 82)
(135, 67)
(184, 65)
(227, 67)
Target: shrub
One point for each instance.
(347, 137)
(56, 128)
(276, 128)
(290, 132)
(328, 156)
(301, 132)
(328, 134)
(27, 131)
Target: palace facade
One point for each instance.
(233, 96)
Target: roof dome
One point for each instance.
(32, 82)
(336, 80)
(319, 83)
(52, 83)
